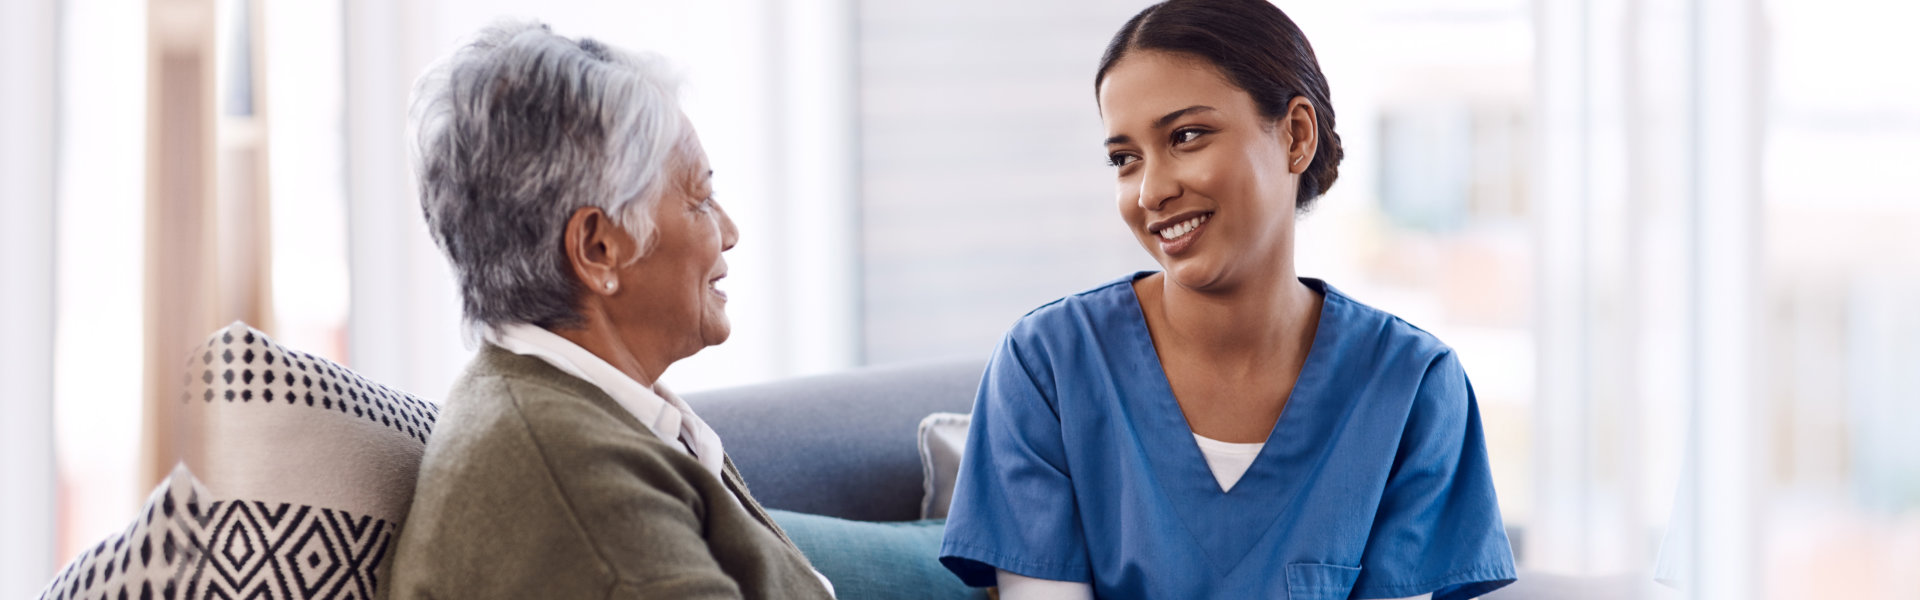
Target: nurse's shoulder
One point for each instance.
(1065, 338)
(1385, 348)
(1078, 319)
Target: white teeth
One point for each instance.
(1174, 232)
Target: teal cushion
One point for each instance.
(876, 561)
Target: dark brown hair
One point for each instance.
(1260, 51)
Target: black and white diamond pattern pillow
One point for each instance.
(187, 544)
(305, 475)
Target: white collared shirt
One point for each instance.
(664, 413)
(658, 408)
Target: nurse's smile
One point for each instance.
(1177, 234)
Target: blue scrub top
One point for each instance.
(1080, 467)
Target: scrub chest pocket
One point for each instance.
(1313, 581)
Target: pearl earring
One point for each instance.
(610, 285)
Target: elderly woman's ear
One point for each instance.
(597, 248)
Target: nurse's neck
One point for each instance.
(1245, 319)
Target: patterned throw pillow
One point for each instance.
(185, 544)
(305, 474)
(149, 558)
(280, 425)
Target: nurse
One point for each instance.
(1222, 428)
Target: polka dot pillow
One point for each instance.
(283, 425)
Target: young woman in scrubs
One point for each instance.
(1222, 428)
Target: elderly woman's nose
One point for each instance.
(729, 235)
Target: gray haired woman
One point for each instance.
(574, 201)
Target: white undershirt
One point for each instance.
(1228, 461)
(663, 412)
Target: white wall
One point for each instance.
(983, 194)
(27, 64)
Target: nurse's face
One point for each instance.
(1205, 183)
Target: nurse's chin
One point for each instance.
(1196, 276)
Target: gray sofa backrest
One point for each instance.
(842, 445)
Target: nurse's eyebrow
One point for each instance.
(1161, 123)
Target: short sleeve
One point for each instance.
(1013, 503)
(1438, 528)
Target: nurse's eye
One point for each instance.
(1121, 159)
(1182, 136)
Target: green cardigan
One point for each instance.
(536, 484)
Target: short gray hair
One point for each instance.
(512, 134)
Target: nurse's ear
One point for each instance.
(1299, 134)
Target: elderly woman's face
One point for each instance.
(675, 279)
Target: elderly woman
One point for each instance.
(575, 204)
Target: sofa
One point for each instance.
(308, 471)
(310, 468)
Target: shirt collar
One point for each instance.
(662, 411)
(657, 407)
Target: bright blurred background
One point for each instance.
(1674, 241)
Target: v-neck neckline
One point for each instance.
(1271, 484)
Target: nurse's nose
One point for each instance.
(1158, 185)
